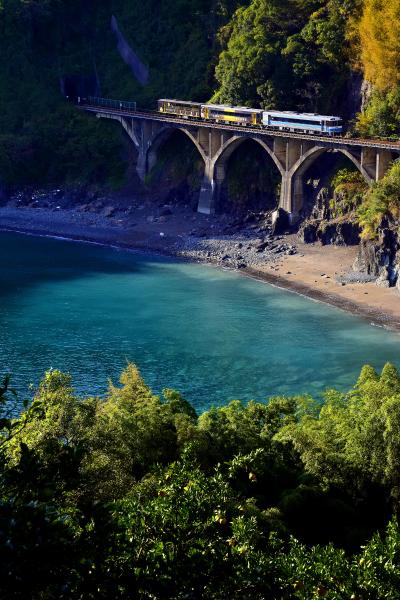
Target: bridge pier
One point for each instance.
(141, 166)
(292, 195)
(214, 175)
(383, 162)
(208, 191)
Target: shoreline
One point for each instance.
(271, 274)
(374, 317)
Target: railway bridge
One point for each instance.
(292, 153)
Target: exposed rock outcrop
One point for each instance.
(381, 257)
(332, 219)
(337, 232)
(280, 221)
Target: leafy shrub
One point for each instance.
(383, 199)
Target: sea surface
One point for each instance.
(212, 334)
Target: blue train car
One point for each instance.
(306, 122)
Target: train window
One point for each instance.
(230, 113)
(294, 121)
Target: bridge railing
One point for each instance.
(107, 103)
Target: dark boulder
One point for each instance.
(344, 233)
(280, 221)
(165, 211)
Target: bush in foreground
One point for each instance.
(134, 495)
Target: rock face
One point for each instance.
(323, 224)
(340, 233)
(280, 221)
(381, 257)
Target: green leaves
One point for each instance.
(284, 54)
(381, 200)
(134, 496)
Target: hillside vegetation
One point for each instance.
(136, 496)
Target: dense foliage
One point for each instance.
(382, 200)
(379, 51)
(286, 54)
(252, 180)
(132, 495)
(48, 46)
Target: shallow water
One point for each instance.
(213, 335)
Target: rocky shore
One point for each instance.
(251, 244)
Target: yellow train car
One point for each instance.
(180, 108)
(224, 113)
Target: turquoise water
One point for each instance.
(211, 334)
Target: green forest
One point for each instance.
(132, 495)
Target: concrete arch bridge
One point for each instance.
(292, 153)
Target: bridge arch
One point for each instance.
(222, 156)
(219, 161)
(292, 193)
(309, 157)
(161, 136)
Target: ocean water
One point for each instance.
(214, 335)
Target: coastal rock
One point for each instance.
(109, 211)
(381, 257)
(280, 221)
(344, 233)
(308, 232)
(384, 278)
(262, 246)
(165, 211)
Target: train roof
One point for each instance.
(180, 101)
(232, 107)
(299, 115)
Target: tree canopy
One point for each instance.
(133, 495)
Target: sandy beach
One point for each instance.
(313, 273)
(308, 269)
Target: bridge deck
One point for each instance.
(334, 142)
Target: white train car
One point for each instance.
(306, 122)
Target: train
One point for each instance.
(285, 120)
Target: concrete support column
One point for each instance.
(368, 162)
(292, 195)
(280, 151)
(207, 199)
(147, 157)
(297, 196)
(293, 153)
(383, 161)
(286, 193)
(141, 165)
(203, 139)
